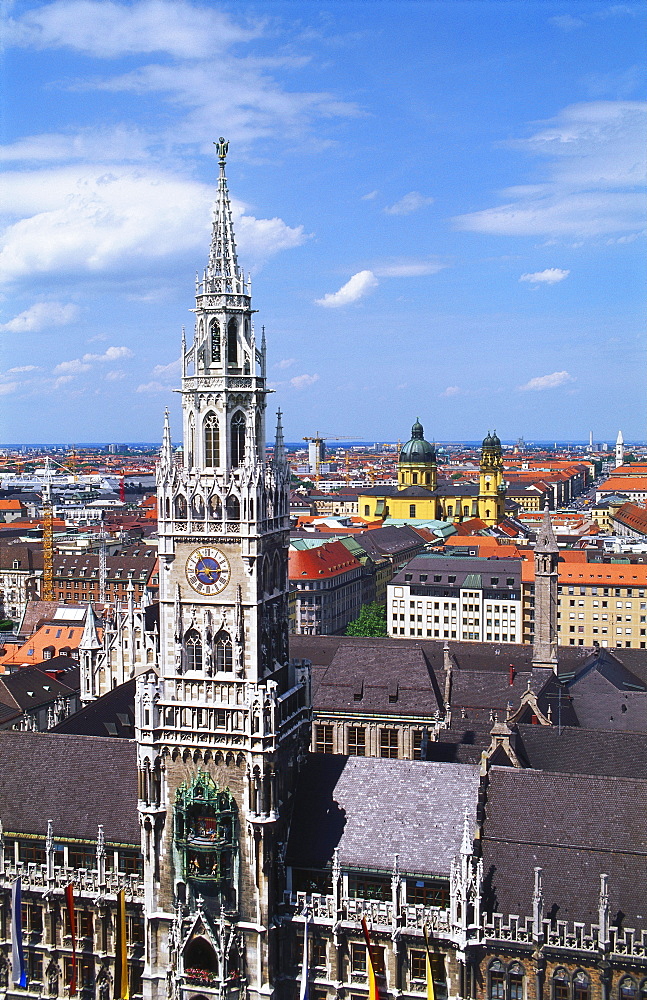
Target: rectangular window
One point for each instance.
(389, 743)
(358, 958)
(369, 887)
(428, 893)
(323, 739)
(356, 741)
(319, 954)
(418, 964)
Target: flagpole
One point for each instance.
(304, 991)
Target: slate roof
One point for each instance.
(30, 688)
(371, 809)
(480, 677)
(583, 751)
(574, 827)
(76, 781)
(390, 540)
(356, 681)
(111, 715)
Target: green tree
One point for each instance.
(371, 621)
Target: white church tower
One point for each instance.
(221, 725)
(620, 450)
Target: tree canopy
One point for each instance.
(371, 621)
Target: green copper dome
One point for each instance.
(418, 451)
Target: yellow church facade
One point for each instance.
(418, 496)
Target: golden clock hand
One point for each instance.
(205, 568)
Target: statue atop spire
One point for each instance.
(222, 148)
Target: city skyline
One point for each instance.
(442, 212)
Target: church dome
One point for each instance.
(488, 442)
(496, 441)
(418, 451)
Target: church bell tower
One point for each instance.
(221, 723)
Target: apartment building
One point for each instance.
(451, 597)
(601, 604)
(328, 585)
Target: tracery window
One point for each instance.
(627, 989)
(191, 443)
(581, 986)
(560, 985)
(496, 981)
(214, 334)
(232, 342)
(237, 438)
(211, 442)
(223, 651)
(233, 508)
(193, 644)
(515, 982)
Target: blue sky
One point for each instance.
(441, 203)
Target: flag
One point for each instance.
(18, 974)
(69, 899)
(375, 972)
(121, 954)
(303, 993)
(430, 977)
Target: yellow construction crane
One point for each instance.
(318, 441)
(48, 535)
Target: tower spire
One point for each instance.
(279, 444)
(166, 451)
(223, 273)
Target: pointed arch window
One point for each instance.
(515, 981)
(561, 985)
(211, 442)
(233, 508)
(232, 342)
(496, 981)
(223, 652)
(190, 442)
(193, 645)
(581, 986)
(214, 336)
(237, 438)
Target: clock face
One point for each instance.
(207, 570)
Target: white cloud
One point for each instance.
(21, 369)
(546, 382)
(286, 363)
(411, 202)
(94, 219)
(451, 390)
(169, 371)
(566, 22)
(152, 387)
(40, 316)
(112, 354)
(6, 388)
(77, 366)
(73, 367)
(412, 269)
(94, 145)
(596, 164)
(355, 288)
(114, 376)
(370, 196)
(548, 277)
(303, 381)
(106, 29)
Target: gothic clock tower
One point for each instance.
(222, 721)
